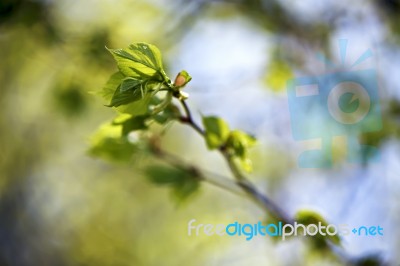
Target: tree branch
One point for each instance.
(188, 119)
(259, 198)
(244, 187)
(212, 178)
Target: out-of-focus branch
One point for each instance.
(242, 181)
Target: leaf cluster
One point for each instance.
(142, 93)
(219, 136)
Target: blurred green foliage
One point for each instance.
(183, 181)
(60, 207)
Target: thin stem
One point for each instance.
(188, 119)
(240, 184)
(262, 200)
(241, 188)
(212, 178)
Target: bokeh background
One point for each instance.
(59, 206)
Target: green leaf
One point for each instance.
(130, 83)
(239, 142)
(216, 131)
(108, 143)
(140, 77)
(246, 164)
(121, 118)
(136, 101)
(140, 60)
(308, 217)
(163, 103)
(117, 91)
(171, 112)
(163, 175)
(140, 107)
(182, 181)
(279, 72)
(121, 97)
(111, 86)
(132, 90)
(184, 190)
(132, 124)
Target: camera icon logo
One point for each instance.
(343, 103)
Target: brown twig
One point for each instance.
(262, 200)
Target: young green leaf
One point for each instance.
(111, 86)
(108, 143)
(133, 123)
(124, 97)
(163, 175)
(171, 112)
(163, 104)
(216, 131)
(140, 60)
(185, 189)
(119, 90)
(139, 102)
(308, 217)
(239, 142)
(140, 76)
(183, 182)
(141, 107)
(246, 164)
(132, 90)
(130, 83)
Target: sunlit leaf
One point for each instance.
(130, 83)
(133, 123)
(139, 60)
(111, 86)
(278, 74)
(124, 97)
(137, 107)
(132, 90)
(108, 143)
(140, 77)
(240, 141)
(216, 130)
(246, 164)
